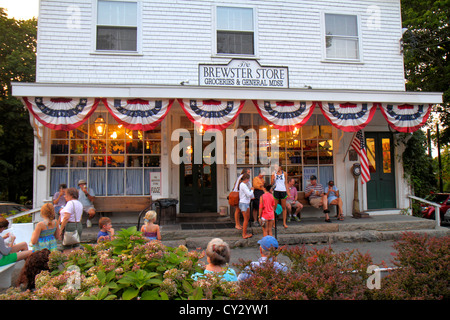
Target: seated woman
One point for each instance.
(218, 257)
(11, 253)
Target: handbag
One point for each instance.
(233, 198)
(71, 237)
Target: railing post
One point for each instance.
(437, 216)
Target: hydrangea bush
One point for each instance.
(128, 267)
(131, 267)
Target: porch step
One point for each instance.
(308, 231)
(210, 217)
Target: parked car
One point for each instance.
(9, 208)
(446, 217)
(441, 198)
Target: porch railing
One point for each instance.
(437, 207)
(24, 213)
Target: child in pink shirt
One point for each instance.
(266, 211)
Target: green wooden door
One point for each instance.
(381, 187)
(198, 184)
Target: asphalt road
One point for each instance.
(379, 251)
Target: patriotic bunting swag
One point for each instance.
(285, 115)
(405, 117)
(360, 148)
(212, 114)
(138, 114)
(349, 117)
(61, 113)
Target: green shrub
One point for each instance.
(128, 267)
(423, 269)
(318, 274)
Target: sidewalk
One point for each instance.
(311, 230)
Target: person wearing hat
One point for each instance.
(314, 192)
(87, 196)
(266, 244)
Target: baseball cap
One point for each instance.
(268, 242)
(81, 182)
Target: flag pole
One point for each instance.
(351, 141)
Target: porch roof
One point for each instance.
(142, 107)
(202, 92)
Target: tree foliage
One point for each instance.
(17, 63)
(426, 52)
(417, 164)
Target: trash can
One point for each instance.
(167, 210)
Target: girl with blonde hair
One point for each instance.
(46, 232)
(150, 229)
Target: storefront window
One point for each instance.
(117, 163)
(303, 152)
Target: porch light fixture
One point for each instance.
(100, 126)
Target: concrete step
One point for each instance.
(309, 230)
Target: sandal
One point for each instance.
(327, 220)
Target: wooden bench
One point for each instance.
(302, 199)
(121, 203)
(6, 275)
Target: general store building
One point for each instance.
(305, 74)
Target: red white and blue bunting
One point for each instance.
(285, 115)
(141, 114)
(405, 117)
(61, 113)
(349, 117)
(138, 114)
(212, 114)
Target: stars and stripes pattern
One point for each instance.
(138, 114)
(349, 117)
(406, 117)
(285, 115)
(212, 114)
(61, 113)
(359, 146)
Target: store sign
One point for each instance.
(243, 73)
(155, 183)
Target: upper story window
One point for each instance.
(235, 31)
(341, 37)
(117, 25)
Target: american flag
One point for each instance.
(360, 147)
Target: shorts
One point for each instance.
(316, 202)
(86, 209)
(280, 195)
(10, 258)
(244, 206)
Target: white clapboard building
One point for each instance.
(175, 98)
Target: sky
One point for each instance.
(21, 9)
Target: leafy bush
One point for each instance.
(314, 274)
(128, 267)
(423, 269)
(131, 267)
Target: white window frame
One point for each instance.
(359, 60)
(138, 51)
(214, 54)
